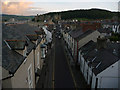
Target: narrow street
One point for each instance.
(62, 73)
(58, 72)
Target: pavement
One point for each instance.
(46, 78)
(79, 78)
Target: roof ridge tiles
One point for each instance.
(15, 40)
(31, 35)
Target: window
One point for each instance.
(25, 61)
(24, 52)
(38, 60)
(43, 53)
(30, 76)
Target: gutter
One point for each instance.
(11, 75)
(77, 53)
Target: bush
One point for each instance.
(114, 38)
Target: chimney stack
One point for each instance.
(25, 49)
(101, 42)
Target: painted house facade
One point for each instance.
(38, 40)
(76, 38)
(79, 38)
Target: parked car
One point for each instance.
(59, 37)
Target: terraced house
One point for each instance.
(79, 36)
(22, 56)
(99, 63)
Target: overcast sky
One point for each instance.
(33, 7)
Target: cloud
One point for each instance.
(18, 8)
(22, 7)
(35, 11)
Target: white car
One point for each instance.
(59, 37)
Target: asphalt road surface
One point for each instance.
(62, 75)
(57, 72)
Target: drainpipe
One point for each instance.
(80, 60)
(96, 84)
(91, 78)
(87, 73)
(74, 51)
(84, 67)
(77, 55)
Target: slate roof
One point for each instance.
(106, 30)
(30, 46)
(105, 58)
(39, 40)
(106, 23)
(40, 32)
(114, 47)
(16, 44)
(18, 31)
(11, 60)
(98, 59)
(88, 47)
(32, 37)
(76, 33)
(79, 34)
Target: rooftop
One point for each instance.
(14, 37)
(79, 34)
(40, 32)
(99, 59)
(16, 44)
(11, 60)
(32, 37)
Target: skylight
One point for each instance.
(98, 64)
(93, 59)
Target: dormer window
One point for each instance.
(32, 37)
(114, 51)
(17, 45)
(36, 42)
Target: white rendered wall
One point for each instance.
(49, 35)
(109, 77)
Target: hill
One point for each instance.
(85, 13)
(6, 17)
